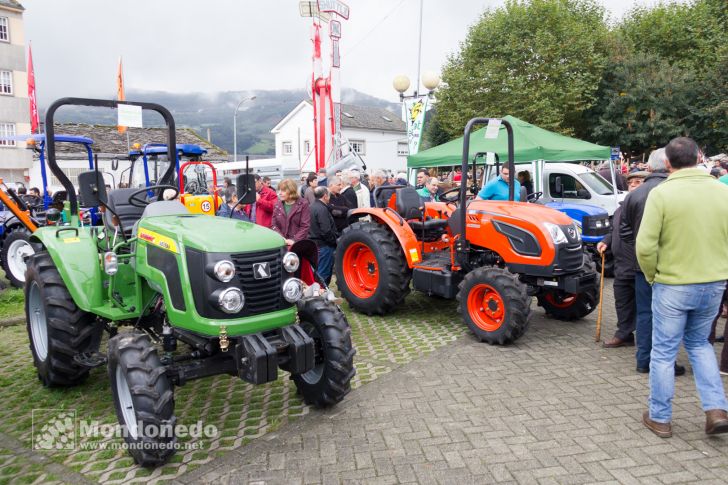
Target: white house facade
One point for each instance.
(15, 159)
(378, 135)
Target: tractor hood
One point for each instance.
(533, 213)
(577, 210)
(210, 233)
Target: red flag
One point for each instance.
(120, 91)
(34, 118)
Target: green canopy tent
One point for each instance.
(530, 142)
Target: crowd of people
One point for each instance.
(671, 268)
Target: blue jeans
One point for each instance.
(325, 262)
(684, 313)
(643, 320)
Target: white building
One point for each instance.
(15, 160)
(378, 135)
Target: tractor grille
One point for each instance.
(261, 295)
(570, 257)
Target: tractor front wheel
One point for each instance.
(143, 398)
(371, 269)
(330, 379)
(57, 329)
(495, 305)
(570, 306)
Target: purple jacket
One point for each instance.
(296, 224)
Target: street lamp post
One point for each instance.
(414, 114)
(235, 126)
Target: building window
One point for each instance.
(6, 82)
(402, 149)
(7, 130)
(4, 33)
(358, 146)
(306, 147)
(287, 148)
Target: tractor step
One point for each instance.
(90, 359)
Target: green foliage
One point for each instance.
(643, 103)
(434, 134)
(11, 302)
(540, 60)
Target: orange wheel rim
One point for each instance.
(361, 271)
(486, 307)
(558, 301)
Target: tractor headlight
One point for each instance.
(111, 263)
(224, 270)
(606, 222)
(556, 233)
(291, 262)
(292, 290)
(599, 224)
(231, 300)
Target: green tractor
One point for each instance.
(235, 298)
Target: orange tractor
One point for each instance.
(493, 256)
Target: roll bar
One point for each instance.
(102, 103)
(466, 153)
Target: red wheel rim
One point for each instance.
(486, 307)
(361, 271)
(560, 301)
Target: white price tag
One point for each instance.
(490, 158)
(491, 132)
(130, 115)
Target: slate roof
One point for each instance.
(370, 118)
(11, 4)
(109, 143)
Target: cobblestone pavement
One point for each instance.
(554, 408)
(430, 405)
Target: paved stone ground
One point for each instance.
(555, 408)
(430, 405)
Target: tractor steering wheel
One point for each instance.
(447, 197)
(136, 201)
(533, 197)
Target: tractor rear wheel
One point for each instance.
(143, 398)
(57, 329)
(495, 305)
(570, 306)
(17, 249)
(371, 269)
(330, 379)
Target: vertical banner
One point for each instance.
(120, 91)
(34, 117)
(415, 113)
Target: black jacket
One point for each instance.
(323, 229)
(633, 208)
(625, 258)
(340, 205)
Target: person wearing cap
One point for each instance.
(624, 262)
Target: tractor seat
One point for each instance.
(118, 201)
(410, 205)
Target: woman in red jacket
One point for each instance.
(266, 200)
(291, 215)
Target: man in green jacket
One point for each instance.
(682, 251)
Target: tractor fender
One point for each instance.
(399, 227)
(75, 254)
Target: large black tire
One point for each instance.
(57, 329)
(330, 379)
(17, 250)
(393, 282)
(569, 306)
(143, 398)
(495, 305)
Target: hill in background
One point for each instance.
(201, 111)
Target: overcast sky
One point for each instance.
(228, 45)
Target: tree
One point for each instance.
(434, 133)
(643, 103)
(540, 60)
